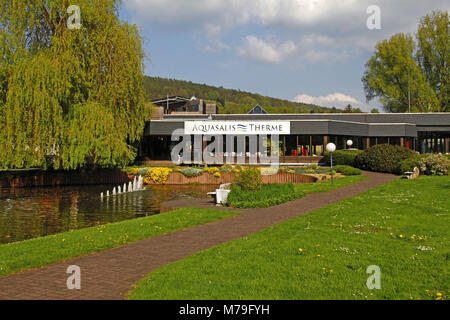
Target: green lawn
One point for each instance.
(274, 194)
(46, 250)
(402, 227)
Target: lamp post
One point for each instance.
(331, 147)
(349, 143)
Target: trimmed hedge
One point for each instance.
(384, 158)
(348, 171)
(268, 195)
(342, 157)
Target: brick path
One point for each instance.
(111, 274)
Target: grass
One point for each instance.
(267, 196)
(274, 194)
(39, 252)
(402, 227)
(325, 185)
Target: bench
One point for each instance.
(221, 194)
(412, 174)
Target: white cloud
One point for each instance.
(338, 100)
(269, 50)
(320, 29)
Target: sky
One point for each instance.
(311, 51)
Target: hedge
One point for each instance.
(348, 171)
(342, 157)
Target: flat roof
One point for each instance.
(349, 124)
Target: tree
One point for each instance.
(374, 110)
(393, 76)
(433, 54)
(348, 109)
(72, 95)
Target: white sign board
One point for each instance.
(237, 128)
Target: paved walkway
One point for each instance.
(111, 274)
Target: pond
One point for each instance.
(28, 213)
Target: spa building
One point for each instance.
(303, 137)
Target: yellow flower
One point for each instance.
(318, 255)
(331, 270)
(439, 294)
(401, 236)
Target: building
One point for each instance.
(180, 106)
(303, 137)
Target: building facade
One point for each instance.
(303, 136)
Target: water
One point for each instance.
(35, 212)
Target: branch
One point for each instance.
(47, 18)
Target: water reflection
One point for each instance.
(34, 212)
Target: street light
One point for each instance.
(331, 147)
(349, 143)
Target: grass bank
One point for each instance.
(402, 227)
(274, 194)
(39, 252)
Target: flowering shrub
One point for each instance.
(133, 171)
(212, 170)
(249, 179)
(158, 175)
(435, 165)
(217, 174)
(226, 168)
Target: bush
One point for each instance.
(158, 175)
(348, 171)
(435, 165)
(409, 164)
(248, 179)
(226, 168)
(191, 172)
(342, 157)
(384, 158)
(267, 196)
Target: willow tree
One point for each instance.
(74, 95)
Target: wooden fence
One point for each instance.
(59, 178)
(177, 178)
(117, 177)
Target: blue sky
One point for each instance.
(312, 51)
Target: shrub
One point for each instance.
(312, 169)
(249, 179)
(348, 171)
(383, 158)
(409, 164)
(211, 170)
(267, 196)
(159, 175)
(226, 168)
(342, 157)
(435, 165)
(191, 172)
